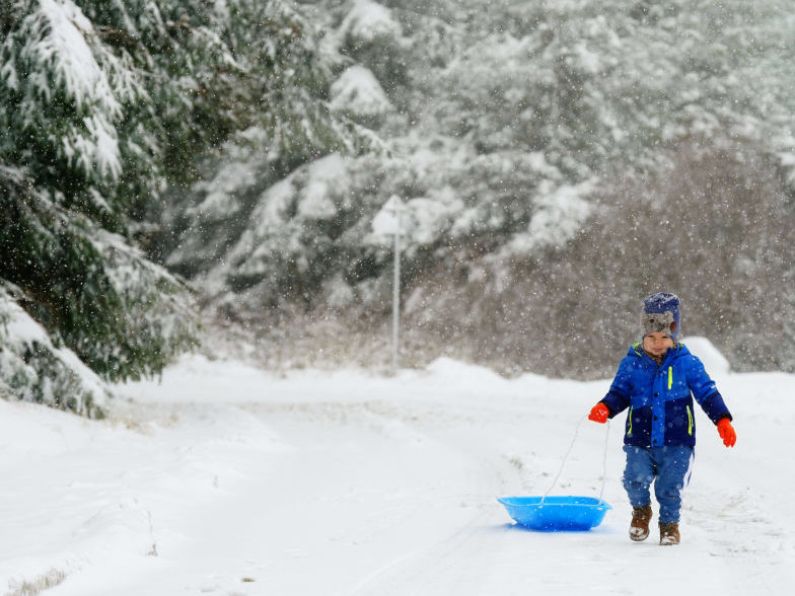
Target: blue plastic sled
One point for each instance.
(556, 514)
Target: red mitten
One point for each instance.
(726, 432)
(599, 413)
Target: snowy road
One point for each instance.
(223, 480)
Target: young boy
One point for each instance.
(657, 381)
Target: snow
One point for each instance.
(560, 215)
(221, 199)
(226, 479)
(59, 34)
(65, 29)
(713, 360)
(315, 197)
(25, 346)
(431, 216)
(358, 92)
(368, 21)
(101, 146)
(310, 193)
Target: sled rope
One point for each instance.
(568, 453)
(604, 461)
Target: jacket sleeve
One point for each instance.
(618, 398)
(705, 391)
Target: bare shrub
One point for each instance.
(46, 581)
(715, 227)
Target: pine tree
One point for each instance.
(77, 160)
(283, 120)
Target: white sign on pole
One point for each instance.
(388, 222)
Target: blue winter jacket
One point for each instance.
(660, 397)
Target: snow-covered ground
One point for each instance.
(224, 479)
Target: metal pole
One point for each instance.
(396, 296)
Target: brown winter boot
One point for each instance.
(639, 528)
(669, 533)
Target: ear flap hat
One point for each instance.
(661, 315)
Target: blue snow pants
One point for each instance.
(668, 467)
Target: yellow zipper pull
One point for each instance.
(670, 377)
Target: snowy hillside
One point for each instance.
(228, 480)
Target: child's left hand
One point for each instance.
(727, 432)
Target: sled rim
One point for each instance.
(556, 513)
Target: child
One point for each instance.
(657, 381)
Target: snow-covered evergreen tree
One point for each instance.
(285, 122)
(78, 162)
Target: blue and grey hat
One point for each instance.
(661, 314)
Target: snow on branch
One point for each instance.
(33, 368)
